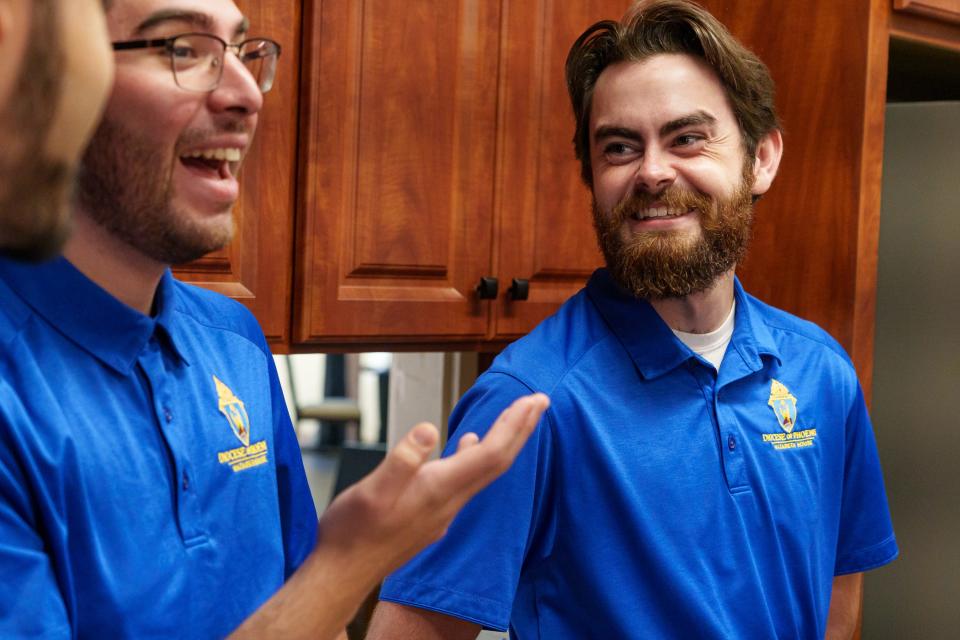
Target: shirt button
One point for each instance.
(731, 443)
(167, 414)
(186, 482)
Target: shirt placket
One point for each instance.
(172, 417)
(728, 431)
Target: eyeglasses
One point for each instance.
(197, 58)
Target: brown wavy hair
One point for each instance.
(670, 26)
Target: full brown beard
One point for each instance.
(671, 264)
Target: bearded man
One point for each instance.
(707, 467)
(151, 484)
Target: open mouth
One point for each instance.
(219, 163)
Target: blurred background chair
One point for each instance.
(335, 412)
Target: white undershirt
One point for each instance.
(710, 346)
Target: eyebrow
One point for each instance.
(693, 119)
(696, 118)
(196, 19)
(608, 131)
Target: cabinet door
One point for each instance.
(255, 267)
(397, 157)
(545, 230)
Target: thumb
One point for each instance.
(404, 460)
(467, 441)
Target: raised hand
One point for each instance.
(374, 526)
(407, 502)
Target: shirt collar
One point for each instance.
(165, 304)
(751, 337)
(87, 314)
(651, 344)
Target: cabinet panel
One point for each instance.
(546, 233)
(948, 10)
(255, 267)
(397, 157)
(927, 23)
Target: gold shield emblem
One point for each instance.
(784, 405)
(233, 410)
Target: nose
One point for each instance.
(238, 91)
(655, 172)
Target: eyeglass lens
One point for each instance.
(198, 62)
(260, 57)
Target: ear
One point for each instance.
(767, 161)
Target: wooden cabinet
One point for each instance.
(411, 148)
(397, 165)
(435, 150)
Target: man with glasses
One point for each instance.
(150, 481)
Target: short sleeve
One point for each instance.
(473, 572)
(31, 604)
(866, 539)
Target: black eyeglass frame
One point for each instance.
(167, 43)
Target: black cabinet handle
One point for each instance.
(519, 289)
(487, 288)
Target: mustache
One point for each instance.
(672, 197)
(196, 137)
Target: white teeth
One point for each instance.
(659, 212)
(230, 154)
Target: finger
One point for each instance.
(472, 469)
(403, 461)
(516, 423)
(513, 429)
(467, 441)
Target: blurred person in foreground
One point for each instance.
(55, 71)
(150, 481)
(707, 468)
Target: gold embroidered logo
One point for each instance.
(232, 408)
(784, 406)
(249, 455)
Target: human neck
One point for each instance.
(700, 312)
(121, 270)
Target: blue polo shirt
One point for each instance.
(150, 480)
(660, 498)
